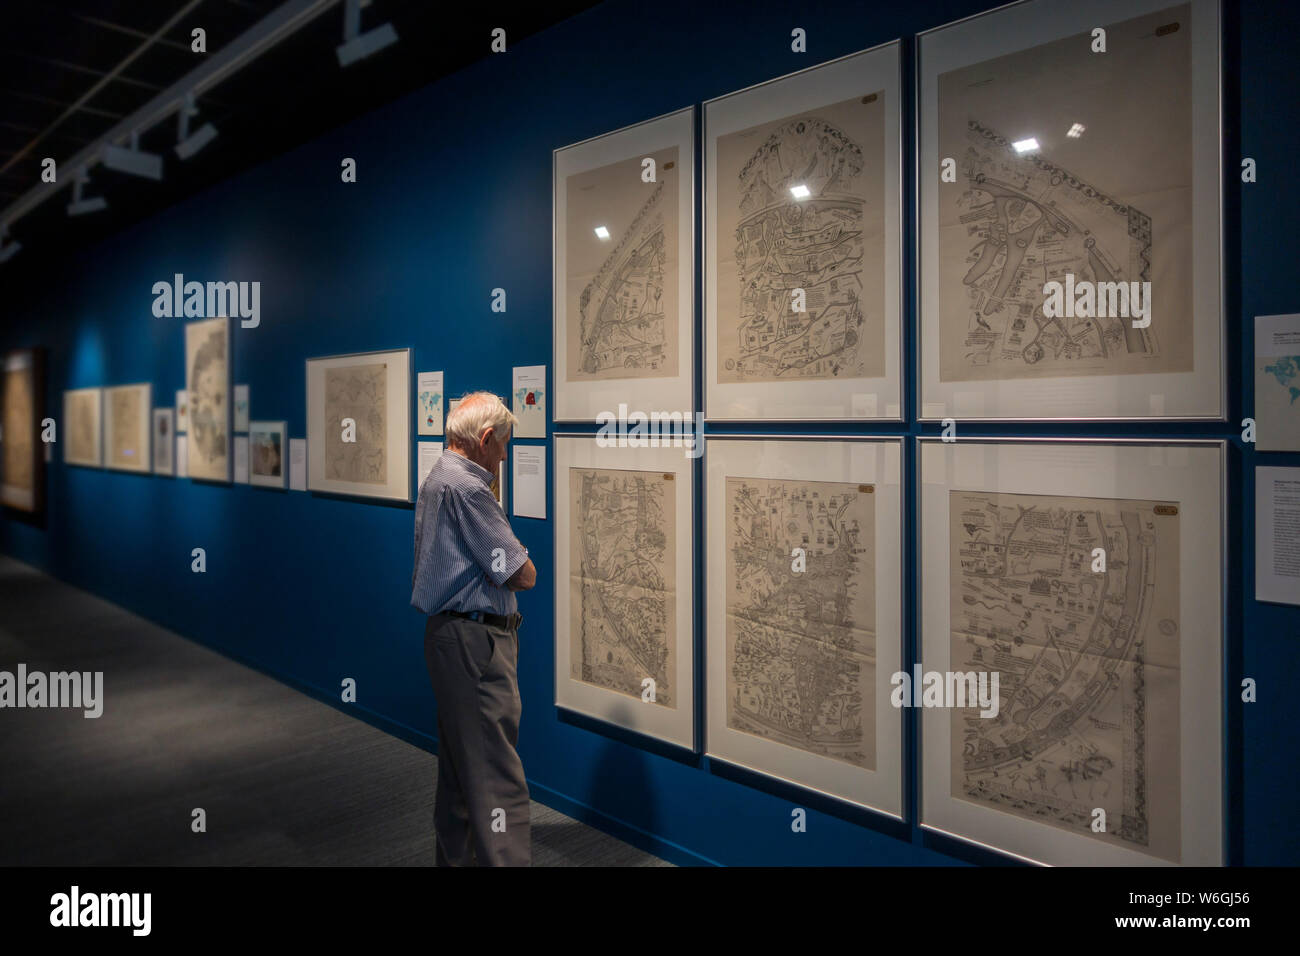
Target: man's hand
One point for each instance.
(524, 578)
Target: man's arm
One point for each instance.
(489, 539)
(524, 578)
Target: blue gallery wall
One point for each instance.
(454, 200)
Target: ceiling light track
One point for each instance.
(279, 25)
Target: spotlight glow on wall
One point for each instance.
(800, 192)
(1025, 145)
(602, 232)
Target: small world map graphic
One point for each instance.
(1286, 370)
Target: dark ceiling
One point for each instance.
(53, 53)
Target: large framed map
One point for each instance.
(624, 602)
(82, 427)
(22, 453)
(624, 267)
(208, 411)
(804, 623)
(1079, 583)
(359, 424)
(128, 425)
(802, 238)
(1069, 213)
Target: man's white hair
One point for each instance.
(478, 411)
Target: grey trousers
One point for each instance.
(480, 814)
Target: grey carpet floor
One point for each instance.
(284, 779)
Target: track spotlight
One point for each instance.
(7, 249)
(191, 145)
(123, 160)
(188, 145)
(357, 45)
(80, 206)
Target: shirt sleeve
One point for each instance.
(485, 530)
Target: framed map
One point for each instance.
(127, 427)
(207, 380)
(802, 239)
(22, 453)
(268, 447)
(359, 424)
(624, 270)
(164, 441)
(1081, 584)
(82, 427)
(624, 603)
(804, 626)
(1061, 277)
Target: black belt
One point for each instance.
(510, 622)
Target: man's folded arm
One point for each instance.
(524, 578)
(490, 540)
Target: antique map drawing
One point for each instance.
(1045, 191)
(622, 560)
(801, 207)
(358, 392)
(621, 292)
(81, 408)
(801, 645)
(128, 427)
(18, 400)
(1088, 662)
(207, 379)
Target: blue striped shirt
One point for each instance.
(458, 524)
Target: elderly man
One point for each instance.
(468, 564)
